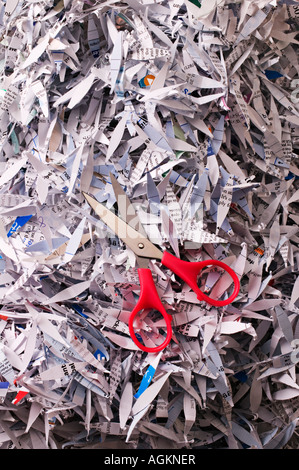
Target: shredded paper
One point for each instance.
(194, 108)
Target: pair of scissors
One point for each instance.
(129, 229)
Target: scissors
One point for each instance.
(131, 232)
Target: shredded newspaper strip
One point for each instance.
(194, 108)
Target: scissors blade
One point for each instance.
(125, 207)
(128, 214)
(138, 243)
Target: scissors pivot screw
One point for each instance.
(141, 245)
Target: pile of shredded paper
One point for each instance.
(194, 108)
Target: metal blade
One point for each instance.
(125, 207)
(128, 214)
(138, 243)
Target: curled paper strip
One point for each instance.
(193, 108)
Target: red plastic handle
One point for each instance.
(189, 272)
(149, 299)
